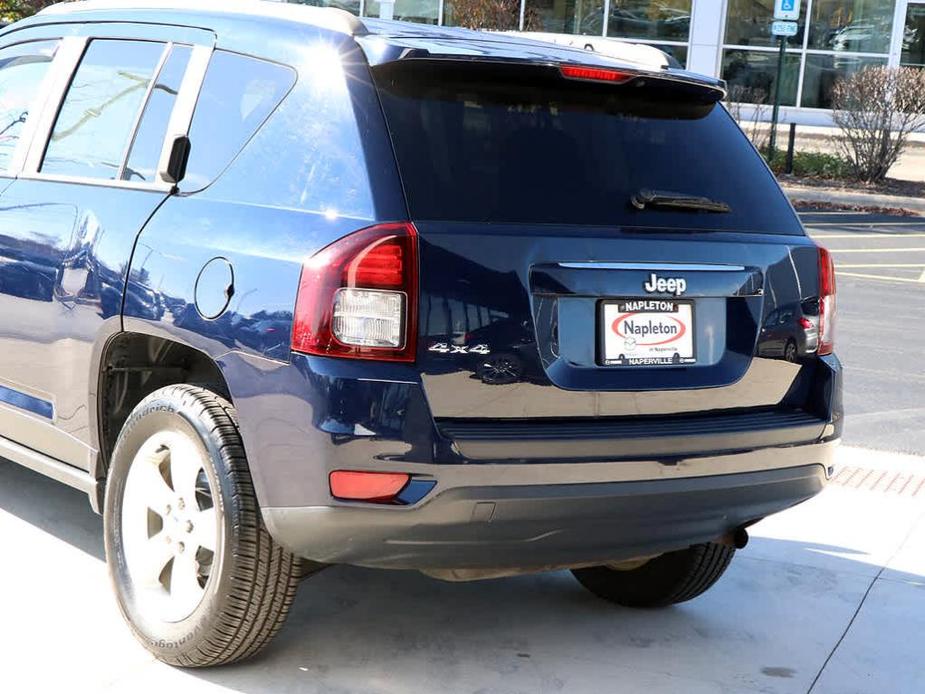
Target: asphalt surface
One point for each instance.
(880, 334)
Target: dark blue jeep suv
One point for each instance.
(281, 288)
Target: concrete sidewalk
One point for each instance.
(829, 597)
(849, 198)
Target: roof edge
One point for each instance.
(330, 18)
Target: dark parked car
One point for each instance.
(322, 229)
(791, 331)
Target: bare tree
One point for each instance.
(12, 10)
(496, 15)
(875, 110)
(756, 130)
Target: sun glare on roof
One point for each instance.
(326, 67)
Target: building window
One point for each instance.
(851, 26)
(499, 15)
(751, 76)
(420, 11)
(664, 24)
(352, 6)
(568, 16)
(823, 71)
(835, 38)
(913, 54)
(664, 20)
(748, 23)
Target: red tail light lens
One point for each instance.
(358, 297)
(826, 302)
(595, 74)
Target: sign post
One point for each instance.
(786, 14)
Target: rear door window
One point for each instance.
(22, 70)
(100, 110)
(486, 142)
(238, 94)
(145, 153)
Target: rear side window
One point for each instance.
(145, 154)
(238, 95)
(492, 143)
(22, 69)
(100, 110)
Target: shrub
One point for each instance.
(813, 165)
(875, 110)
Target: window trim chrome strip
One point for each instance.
(674, 267)
(63, 67)
(181, 117)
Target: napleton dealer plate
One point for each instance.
(647, 332)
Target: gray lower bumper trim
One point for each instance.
(519, 526)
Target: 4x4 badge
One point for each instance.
(665, 285)
(444, 348)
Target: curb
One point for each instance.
(850, 198)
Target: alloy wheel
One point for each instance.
(170, 526)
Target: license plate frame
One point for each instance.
(613, 349)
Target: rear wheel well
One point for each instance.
(132, 367)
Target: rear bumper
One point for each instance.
(543, 515)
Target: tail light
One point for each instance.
(358, 297)
(596, 74)
(826, 302)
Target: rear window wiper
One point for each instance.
(679, 201)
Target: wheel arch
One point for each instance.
(130, 365)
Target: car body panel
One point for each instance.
(78, 246)
(534, 420)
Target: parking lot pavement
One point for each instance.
(829, 596)
(880, 335)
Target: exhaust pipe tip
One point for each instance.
(737, 538)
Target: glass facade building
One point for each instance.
(726, 38)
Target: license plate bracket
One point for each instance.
(637, 332)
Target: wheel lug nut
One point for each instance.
(181, 504)
(180, 547)
(169, 510)
(169, 539)
(189, 526)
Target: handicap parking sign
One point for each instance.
(787, 9)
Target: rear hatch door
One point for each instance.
(592, 247)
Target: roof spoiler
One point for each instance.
(381, 52)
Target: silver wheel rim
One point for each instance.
(170, 529)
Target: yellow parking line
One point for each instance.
(877, 250)
(855, 265)
(879, 277)
(868, 236)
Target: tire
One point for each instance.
(665, 580)
(180, 443)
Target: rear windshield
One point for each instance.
(516, 144)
